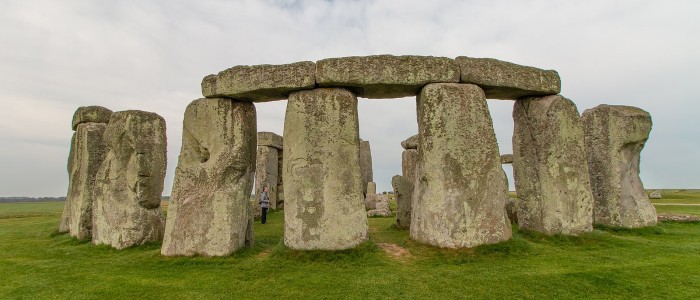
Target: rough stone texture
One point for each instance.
(280, 180)
(506, 159)
(615, 136)
(129, 183)
(512, 210)
(459, 198)
(260, 83)
(371, 200)
(88, 151)
(323, 184)
(64, 225)
(266, 173)
(655, 195)
(209, 210)
(270, 139)
(403, 191)
(505, 80)
(371, 188)
(90, 114)
(550, 168)
(385, 76)
(366, 165)
(409, 162)
(410, 143)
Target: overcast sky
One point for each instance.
(151, 55)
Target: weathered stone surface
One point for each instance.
(550, 167)
(512, 210)
(64, 225)
(459, 200)
(209, 210)
(270, 139)
(129, 183)
(403, 191)
(88, 151)
(260, 83)
(506, 159)
(385, 76)
(266, 173)
(366, 165)
(615, 136)
(655, 195)
(409, 163)
(90, 114)
(410, 143)
(371, 188)
(322, 180)
(505, 80)
(371, 200)
(280, 180)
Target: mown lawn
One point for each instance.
(655, 262)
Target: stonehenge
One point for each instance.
(87, 152)
(548, 147)
(459, 197)
(571, 171)
(614, 137)
(209, 212)
(129, 183)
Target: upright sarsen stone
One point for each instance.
(550, 167)
(366, 164)
(266, 173)
(323, 185)
(459, 197)
(615, 137)
(409, 160)
(129, 182)
(403, 192)
(209, 212)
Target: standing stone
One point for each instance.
(323, 186)
(88, 151)
(366, 165)
(64, 224)
(459, 196)
(549, 166)
(615, 137)
(371, 188)
(209, 210)
(266, 173)
(403, 191)
(409, 160)
(280, 179)
(129, 183)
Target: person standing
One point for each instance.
(264, 204)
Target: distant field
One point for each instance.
(655, 262)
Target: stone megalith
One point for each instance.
(403, 190)
(550, 168)
(209, 212)
(371, 188)
(506, 159)
(459, 198)
(323, 186)
(655, 194)
(409, 160)
(87, 151)
(366, 165)
(129, 183)
(615, 137)
(266, 173)
(410, 143)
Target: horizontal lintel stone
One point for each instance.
(90, 114)
(270, 139)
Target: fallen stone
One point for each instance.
(270, 139)
(379, 213)
(655, 195)
(371, 200)
(403, 192)
(260, 83)
(506, 159)
(88, 151)
(366, 166)
(266, 173)
(508, 81)
(90, 114)
(209, 210)
(409, 163)
(322, 179)
(385, 76)
(410, 143)
(550, 167)
(459, 200)
(129, 183)
(615, 136)
(666, 217)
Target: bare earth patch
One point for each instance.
(394, 250)
(677, 217)
(265, 253)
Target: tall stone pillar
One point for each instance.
(550, 168)
(403, 192)
(615, 137)
(323, 184)
(366, 165)
(87, 153)
(209, 212)
(267, 166)
(129, 183)
(459, 198)
(409, 159)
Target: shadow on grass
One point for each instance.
(366, 250)
(642, 231)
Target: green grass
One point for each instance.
(678, 197)
(656, 262)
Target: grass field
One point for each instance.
(655, 262)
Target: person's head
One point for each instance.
(265, 189)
